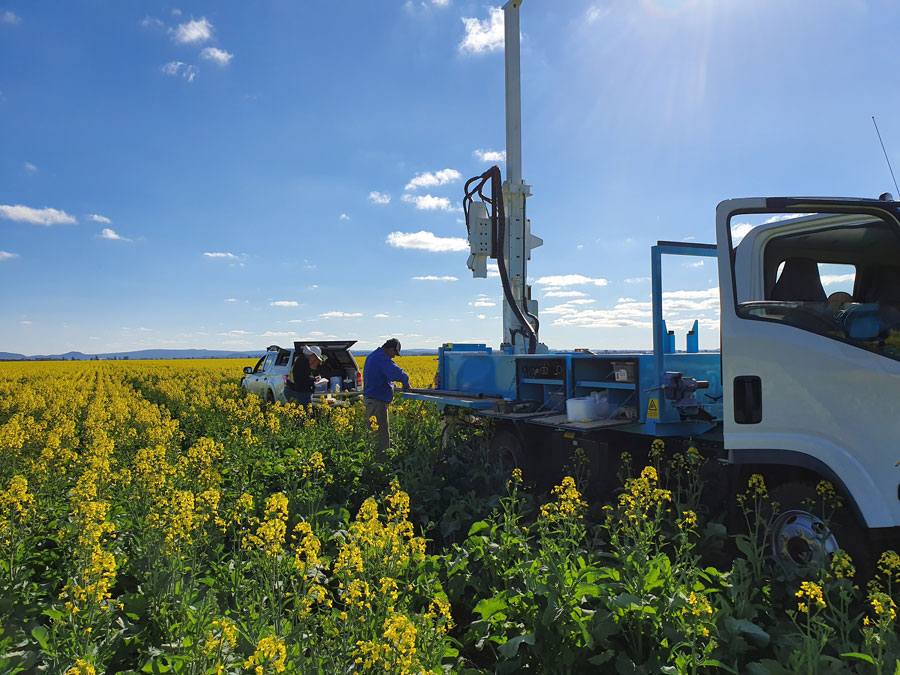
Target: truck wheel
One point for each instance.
(270, 397)
(506, 451)
(800, 537)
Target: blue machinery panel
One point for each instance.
(540, 384)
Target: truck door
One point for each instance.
(261, 372)
(810, 302)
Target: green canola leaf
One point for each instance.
(862, 657)
(511, 647)
(490, 606)
(42, 636)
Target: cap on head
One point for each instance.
(313, 350)
(393, 343)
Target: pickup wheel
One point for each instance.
(270, 397)
(800, 536)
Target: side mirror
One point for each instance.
(248, 370)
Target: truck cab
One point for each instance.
(810, 335)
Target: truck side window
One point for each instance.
(259, 365)
(284, 356)
(834, 275)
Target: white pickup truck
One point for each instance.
(266, 379)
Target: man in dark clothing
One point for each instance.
(379, 372)
(301, 383)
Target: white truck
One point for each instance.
(806, 386)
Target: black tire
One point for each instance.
(507, 452)
(800, 537)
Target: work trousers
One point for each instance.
(379, 410)
(291, 394)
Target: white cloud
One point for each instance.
(568, 307)
(596, 13)
(25, 323)
(236, 332)
(173, 68)
(227, 256)
(270, 333)
(284, 303)
(176, 12)
(426, 241)
(10, 17)
(637, 280)
(6, 255)
(340, 315)
(563, 294)
(344, 216)
(434, 278)
(692, 295)
(696, 263)
(231, 300)
(427, 202)
(829, 279)
(382, 316)
(492, 270)
(193, 31)
(492, 156)
(570, 280)
(379, 198)
(628, 312)
(483, 302)
(45, 216)
(97, 218)
(316, 333)
(219, 56)
(739, 231)
(486, 35)
(150, 21)
(480, 316)
(107, 233)
(427, 179)
(30, 168)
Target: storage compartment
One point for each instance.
(623, 371)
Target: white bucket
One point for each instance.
(581, 409)
(336, 383)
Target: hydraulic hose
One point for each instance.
(498, 227)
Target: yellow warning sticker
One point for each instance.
(652, 409)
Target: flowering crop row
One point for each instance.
(153, 518)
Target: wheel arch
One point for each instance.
(785, 466)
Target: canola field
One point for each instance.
(154, 519)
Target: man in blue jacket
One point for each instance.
(379, 372)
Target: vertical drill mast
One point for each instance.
(518, 241)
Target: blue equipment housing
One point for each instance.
(663, 393)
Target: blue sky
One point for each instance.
(228, 175)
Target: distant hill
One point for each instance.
(144, 354)
(138, 355)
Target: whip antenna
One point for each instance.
(885, 155)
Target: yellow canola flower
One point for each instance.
(306, 550)
(270, 535)
(81, 667)
(810, 595)
(222, 634)
(270, 651)
(568, 502)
